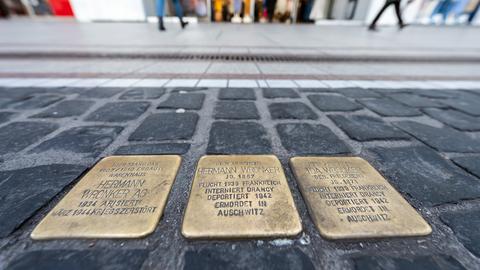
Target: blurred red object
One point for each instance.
(61, 7)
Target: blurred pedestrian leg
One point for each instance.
(248, 8)
(271, 9)
(161, 12)
(4, 12)
(443, 8)
(396, 4)
(237, 9)
(474, 12)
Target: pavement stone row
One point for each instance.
(426, 143)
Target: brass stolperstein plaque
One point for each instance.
(121, 197)
(348, 199)
(240, 197)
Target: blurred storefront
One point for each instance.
(192, 8)
(61, 7)
(278, 11)
(25, 7)
(431, 12)
(108, 10)
(254, 11)
(341, 10)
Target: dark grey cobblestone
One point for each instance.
(444, 139)
(416, 101)
(358, 93)
(428, 178)
(143, 93)
(367, 128)
(120, 259)
(388, 107)
(328, 103)
(60, 90)
(29, 98)
(238, 138)
(291, 110)
(154, 149)
(455, 119)
(236, 94)
(5, 116)
(4, 102)
(183, 101)
(24, 191)
(166, 126)
(434, 262)
(441, 181)
(279, 93)
(89, 140)
(18, 135)
(103, 92)
(444, 94)
(236, 110)
(258, 258)
(67, 108)
(310, 139)
(471, 164)
(18, 94)
(36, 102)
(473, 91)
(387, 91)
(188, 89)
(467, 103)
(466, 226)
(118, 112)
(317, 90)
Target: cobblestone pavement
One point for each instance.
(425, 141)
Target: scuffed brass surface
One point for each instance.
(121, 197)
(240, 196)
(348, 199)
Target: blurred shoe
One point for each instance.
(161, 27)
(236, 19)
(372, 28)
(247, 19)
(183, 23)
(403, 25)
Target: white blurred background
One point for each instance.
(427, 12)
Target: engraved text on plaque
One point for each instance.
(240, 197)
(348, 199)
(121, 197)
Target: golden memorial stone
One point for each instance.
(240, 196)
(348, 199)
(121, 197)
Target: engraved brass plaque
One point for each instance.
(348, 199)
(240, 196)
(121, 197)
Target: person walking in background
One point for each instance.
(396, 4)
(4, 11)
(474, 10)
(271, 4)
(443, 8)
(161, 12)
